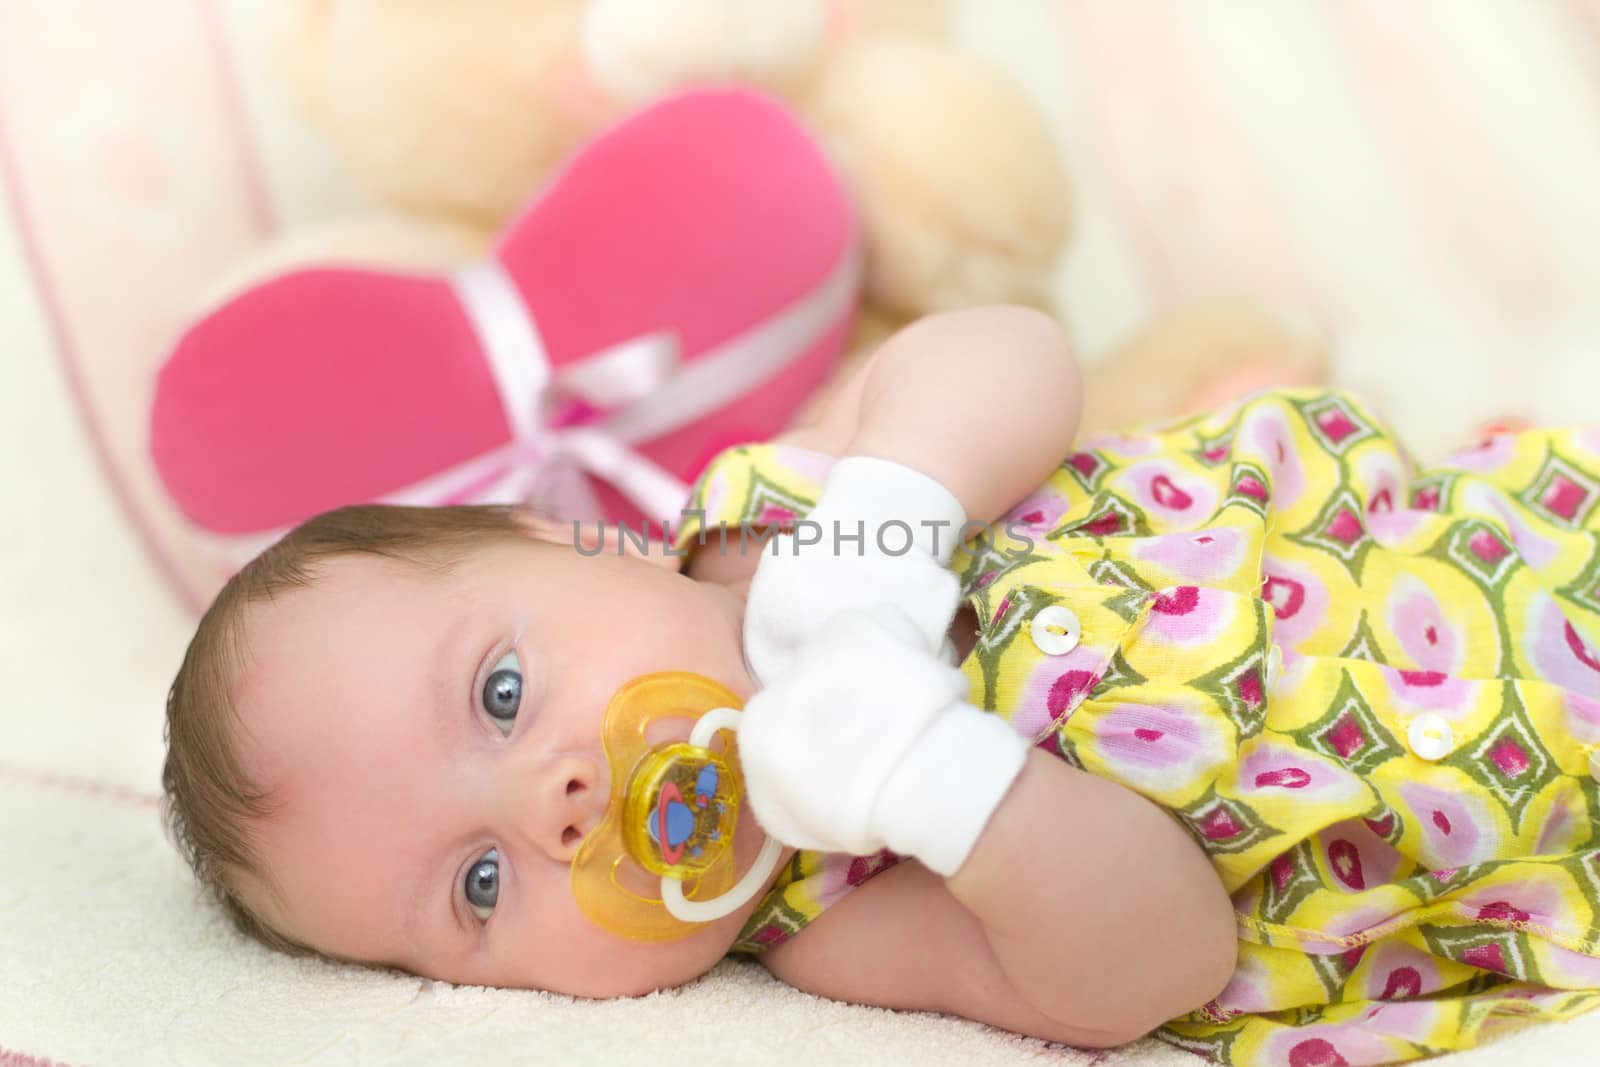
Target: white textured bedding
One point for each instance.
(1415, 179)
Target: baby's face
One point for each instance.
(431, 744)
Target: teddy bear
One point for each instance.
(468, 127)
(455, 123)
(463, 122)
(450, 121)
(1195, 358)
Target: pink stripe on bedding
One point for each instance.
(132, 187)
(230, 89)
(13, 1058)
(1465, 190)
(1587, 11)
(1185, 181)
(1584, 15)
(47, 779)
(1095, 59)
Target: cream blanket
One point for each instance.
(1417, 177)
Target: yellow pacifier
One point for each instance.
(672, 811)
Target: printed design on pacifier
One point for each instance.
(679, 809)
(672, 812)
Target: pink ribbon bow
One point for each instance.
(680, 286)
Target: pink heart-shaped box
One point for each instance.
(706, 231)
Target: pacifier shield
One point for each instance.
(672, 811)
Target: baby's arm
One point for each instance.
(985, 401)
(954, 419)
(1085, 914)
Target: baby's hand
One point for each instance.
(881, 533)
(866, 744)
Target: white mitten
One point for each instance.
(847, 553)
(866, 743)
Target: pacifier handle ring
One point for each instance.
(706, 727)
(704, 911)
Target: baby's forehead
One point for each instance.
(341, 597)
(309, 657)
(348, 602)
(360, 611)
(340, 582)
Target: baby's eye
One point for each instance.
(483, 884)
(502, 692)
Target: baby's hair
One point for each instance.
(209, 802)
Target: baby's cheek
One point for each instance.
(689, 634)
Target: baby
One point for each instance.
(1256, 740)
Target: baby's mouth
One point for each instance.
(661, 860)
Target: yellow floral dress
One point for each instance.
(1370, 693)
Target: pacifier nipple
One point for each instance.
(673, 810)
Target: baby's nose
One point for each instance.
(568, 801)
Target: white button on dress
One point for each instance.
(1056, 630)
(1430, 736)
(1274, 666)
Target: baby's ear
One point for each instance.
(595, 537)
(544, 528)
